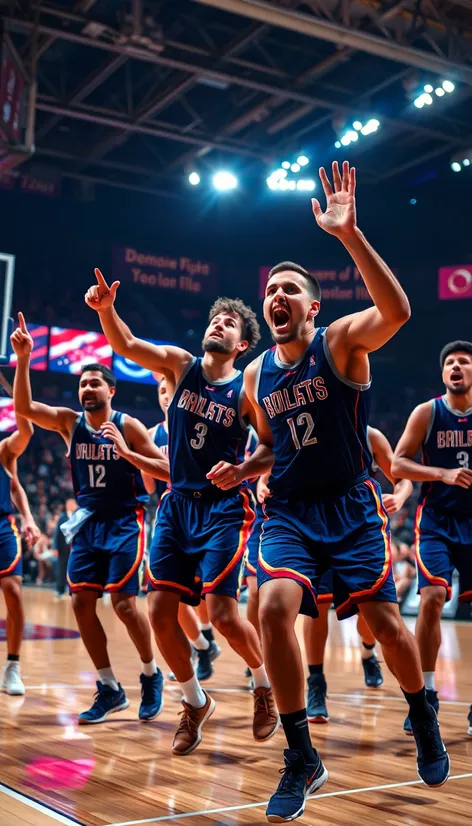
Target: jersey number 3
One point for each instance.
(463, 458)
(96, 476)
(306, 420)
(199, 441)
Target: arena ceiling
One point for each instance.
(137, 94)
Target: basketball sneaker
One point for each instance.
(469, 717)
(11, 680)
(432, 699)
(266, 719)
(189, 733)
(432, 757)
(298, 781)
(152, 701)
(106, 702)
(316, 703)
(206, 658)
(372, 672)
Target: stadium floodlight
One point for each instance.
(306, 185)
(439, 92)
(224, 181)
(427, 99)
(295, 167)
(338, 144)
(357, 125)
(428, 88)
(273, 183)
(345, 140)
(286, 164)
(419, 101)
(455, 166)
(194, 178)
(448, 86)
(466, 162)
(303, 160)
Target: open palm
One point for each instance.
(339, 217)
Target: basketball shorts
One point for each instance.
(200, 539)
(325, 588)
(443, 541)
(302, 538)
(250, 567)
(107, 552)
(11, 563)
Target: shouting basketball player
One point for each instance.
(108, 529)
(311, 393)
(10, 548)
(202, 520)
(442, 429)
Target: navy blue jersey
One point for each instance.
(205, 427)
(248, 447)
(102, 480)
(161, 439)
(318, 419)
(448, 444)
(5, 492)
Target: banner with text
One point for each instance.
(336, 285)
(162, 272)
(455, 282)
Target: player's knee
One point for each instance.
(432, 600)
(11, 589)
(274, 614)
(222, 620)
(163, 623)
(82, 605)
(389, 631)
(125, 611)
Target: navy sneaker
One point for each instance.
(432, 699)
(152, 701)
(469, 717)
(106, 702)
(316, 704)
(372, 672)
(205, 661)
(432, 757)
(298, 781)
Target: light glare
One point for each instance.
(303, 160)
(455, 166)
(295, 167)
(338, 144)
(439, 92)
(466, 162)
(194, 178)
(224, 181)
(306, 185)
(286, 165)
(357, 125)
(448, 86)
(428, 88)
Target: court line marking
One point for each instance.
(342, 792)
(44, 808)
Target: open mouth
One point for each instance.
(280, 318)
(89, 399)
(457, 377)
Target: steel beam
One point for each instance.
(311, 26)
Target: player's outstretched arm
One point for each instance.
(61, 419)
(383, 456)
(29, 529)
(162, 358)
(370, 329)
(138, 448)
(403, 464)
(149, 481)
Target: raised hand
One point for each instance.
(101, 296)
(110, 431)
(339, 218)
(21, 340)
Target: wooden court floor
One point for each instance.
(122, 772)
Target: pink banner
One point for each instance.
(455, 282)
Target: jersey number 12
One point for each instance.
(306, 420)
(97, 476)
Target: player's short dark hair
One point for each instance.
(454, 347)
(250, 325)
(312, 281)
(107, 374)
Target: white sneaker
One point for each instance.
(12, 682)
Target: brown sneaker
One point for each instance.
(266, 717)
(189, 733)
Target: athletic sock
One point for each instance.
(429, 683)
(13, 658)
(193, 693)
(315, 669)
(419, 707)
(207, 631)
(201, 643)
(106, 677)
(367, 651)
(296, 730)
(259, 675)
(149, 669)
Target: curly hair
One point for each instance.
(250, 326)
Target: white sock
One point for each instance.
(260, 677)
(367, 653)
(206, 626)
(429, 680)
(12, 665)
(106, 676)
(201, 643)
(193, 693)
(150, 668)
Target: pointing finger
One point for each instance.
(22, 323)
(101, 281)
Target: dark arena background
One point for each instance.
(175, 144)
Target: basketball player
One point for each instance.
(108, 527)
(315, 631)
(10, 549)
(202, 639)
(311, 393)
(442, 429)
(201, 519)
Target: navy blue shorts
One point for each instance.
(325, 588)
(349, 534)
(210, 533)
(11, 563)
(107, 552)
(443, 541)
(250, 567)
